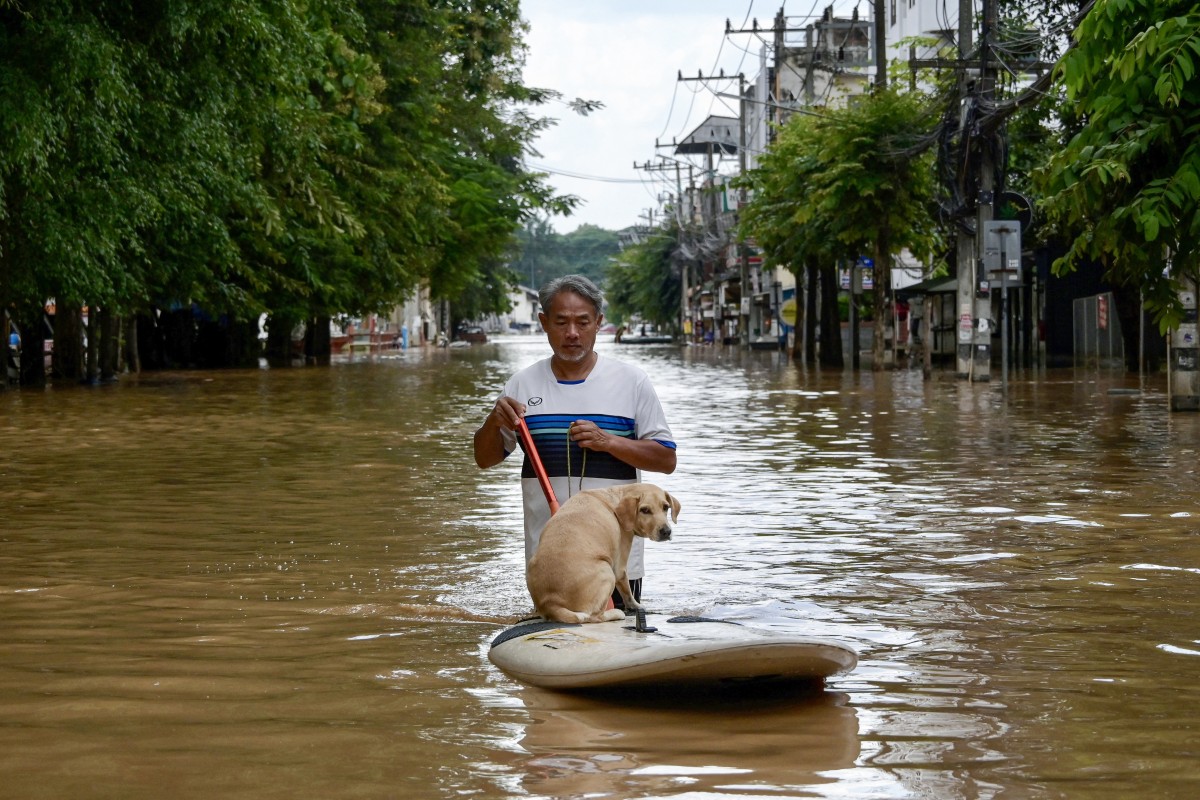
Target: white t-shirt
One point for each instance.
(617, 397)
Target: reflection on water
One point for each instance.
(580, 746)
(282, 583)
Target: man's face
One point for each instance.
(571, 324)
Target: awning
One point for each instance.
(714, 135)
(930, 286)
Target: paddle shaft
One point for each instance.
(538, 469)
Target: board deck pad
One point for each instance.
(680, 651)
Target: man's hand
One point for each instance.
(645, 454)
(588, 435)
(489, 441)
(506, 413)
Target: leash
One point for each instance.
(582, 468)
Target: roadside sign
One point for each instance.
(787, 312)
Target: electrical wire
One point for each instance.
(579, 175)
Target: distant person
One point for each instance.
(596, 421)
(12, 361)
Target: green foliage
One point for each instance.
(1126, 187)
(645, 282)
(832, 184)
(545, 253)
(300, 158)
(846, 183)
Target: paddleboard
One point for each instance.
(671, 651)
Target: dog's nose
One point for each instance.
(664, 534)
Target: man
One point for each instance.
(595, 421)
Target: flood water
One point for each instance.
(283, 583)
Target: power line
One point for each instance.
(579, 175)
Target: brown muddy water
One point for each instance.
(281, 584)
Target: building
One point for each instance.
(730, 297)
(522, 318)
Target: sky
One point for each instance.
(628, 55)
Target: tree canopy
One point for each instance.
(545, 253)
(283, 157)
(848, 182)
(1126, 186)
(645, 281)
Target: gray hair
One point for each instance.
(571, 283)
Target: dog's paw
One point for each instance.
(613, 614)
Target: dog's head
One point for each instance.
(644, 510)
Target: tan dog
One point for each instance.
(585, 546)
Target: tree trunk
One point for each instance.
(133, 362)
(110, 343)
(318, 343)
(798, 337)
(831, 352)
(279, 340)
(92, 361)
(811, 318)
(67, 361)
(883, 312)
(32, 326)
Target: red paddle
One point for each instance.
(538, 469)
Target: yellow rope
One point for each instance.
(582, 467)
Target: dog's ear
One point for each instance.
(627, 511)
(674, 506)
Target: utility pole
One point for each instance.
(778, 28)
(684, 277)
(880, 49)
(973, 337)
(749, 313)
(713, 204)
(746, 303)
(881, 270)
(982, 366)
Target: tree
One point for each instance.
(201, 163)
(847, 182)
(1125, 188)
(590, 249)
(804, 245)
(544, 253)
(540, 253)
(645, 281)
(161, 157)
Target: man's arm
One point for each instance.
(489, 439)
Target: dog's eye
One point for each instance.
(645, 510)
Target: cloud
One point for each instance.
(628, 55)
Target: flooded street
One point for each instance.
(281, 584)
